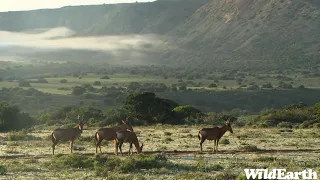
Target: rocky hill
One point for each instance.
(205, 32)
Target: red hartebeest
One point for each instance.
(129, 137)
(69, 134)
(109, 134)
(214, 133)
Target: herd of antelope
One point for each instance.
(125, 133)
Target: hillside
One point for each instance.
(220, 33)
(252, 32)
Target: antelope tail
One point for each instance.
(53, 138)
(199, 135)
(96, 136)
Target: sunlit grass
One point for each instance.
(246, 148)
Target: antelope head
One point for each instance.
(126, 126)
(80, 125)
(228, 124)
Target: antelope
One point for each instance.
(69, 134)
(129, 137)
(109, 134)
(214, 133)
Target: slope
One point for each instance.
(251, 32)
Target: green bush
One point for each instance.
(72, 161)
(285, 125)
(63, 81)
(3, 170)
(104, 165)
(12, 119)
(17, 136)
(24, 84)
(186, 113)
(250, 148)
(224, 141)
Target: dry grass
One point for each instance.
(247, 147)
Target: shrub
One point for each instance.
(42, 80)
(12, 119)
(167, 133)
(97, 83)
(63, 81)
(103, 165)
(3, 170)
(78, 90)
(72, 161)
(285, 125)
(225, 141)
(21, 136)
(250, 148)
(212, 85)
(24, 84)
(105, 77)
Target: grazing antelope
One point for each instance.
(129, 137)
(109, 134)
(69, 134)
(214, 133)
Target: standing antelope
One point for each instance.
(69, 134)
(214, 133)
(129, 137)
(109, 134)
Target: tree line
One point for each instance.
(147, 109)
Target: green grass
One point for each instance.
(122, 80)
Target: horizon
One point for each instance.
(17, 5)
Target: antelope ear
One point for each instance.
(124, 122)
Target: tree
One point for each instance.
(24, 84)
(78, 91)
(89, 114)
(181, 113)
(146, 106)
(134, 86)
(12, 119)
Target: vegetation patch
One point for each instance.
(3, 169)
(250, 148)
(21, 136)
(72, 161)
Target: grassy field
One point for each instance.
(121, 80)
(294, 150)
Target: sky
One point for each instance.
(18, 5)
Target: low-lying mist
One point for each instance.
(52, 41)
